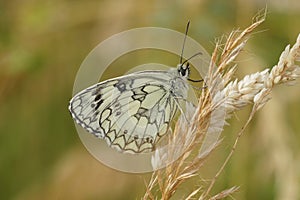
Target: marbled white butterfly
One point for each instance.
(134, 111)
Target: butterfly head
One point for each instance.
(183, 69)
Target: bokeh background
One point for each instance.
(42, 44)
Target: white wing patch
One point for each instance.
(131, 113)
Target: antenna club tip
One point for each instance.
(188, 23)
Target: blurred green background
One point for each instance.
(42, 44)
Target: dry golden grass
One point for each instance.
(218, 101)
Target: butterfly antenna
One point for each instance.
(186, 31)
(196, 54)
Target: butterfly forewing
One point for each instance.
(131, 112)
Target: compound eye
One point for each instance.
(183, 71)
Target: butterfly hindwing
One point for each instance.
(85, 106)
(138, 123)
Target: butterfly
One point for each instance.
(133, 112)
